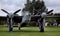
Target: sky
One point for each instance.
(13, 5)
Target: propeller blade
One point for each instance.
(4, 11)
(10, 24)
(49, 11)
(17, 11)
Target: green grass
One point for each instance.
(30, 31)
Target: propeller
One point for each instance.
(17, 11)
(4, 11)
(10, 16)
(49, 11)
(42, 21)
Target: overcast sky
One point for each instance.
(13, 5)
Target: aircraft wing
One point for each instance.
(18, 19)
(35, 18)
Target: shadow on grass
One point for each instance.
(20, 31)
(29, 31)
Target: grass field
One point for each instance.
(30, 31)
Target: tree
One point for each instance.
(35, 6)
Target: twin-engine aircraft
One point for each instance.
(20, 19)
